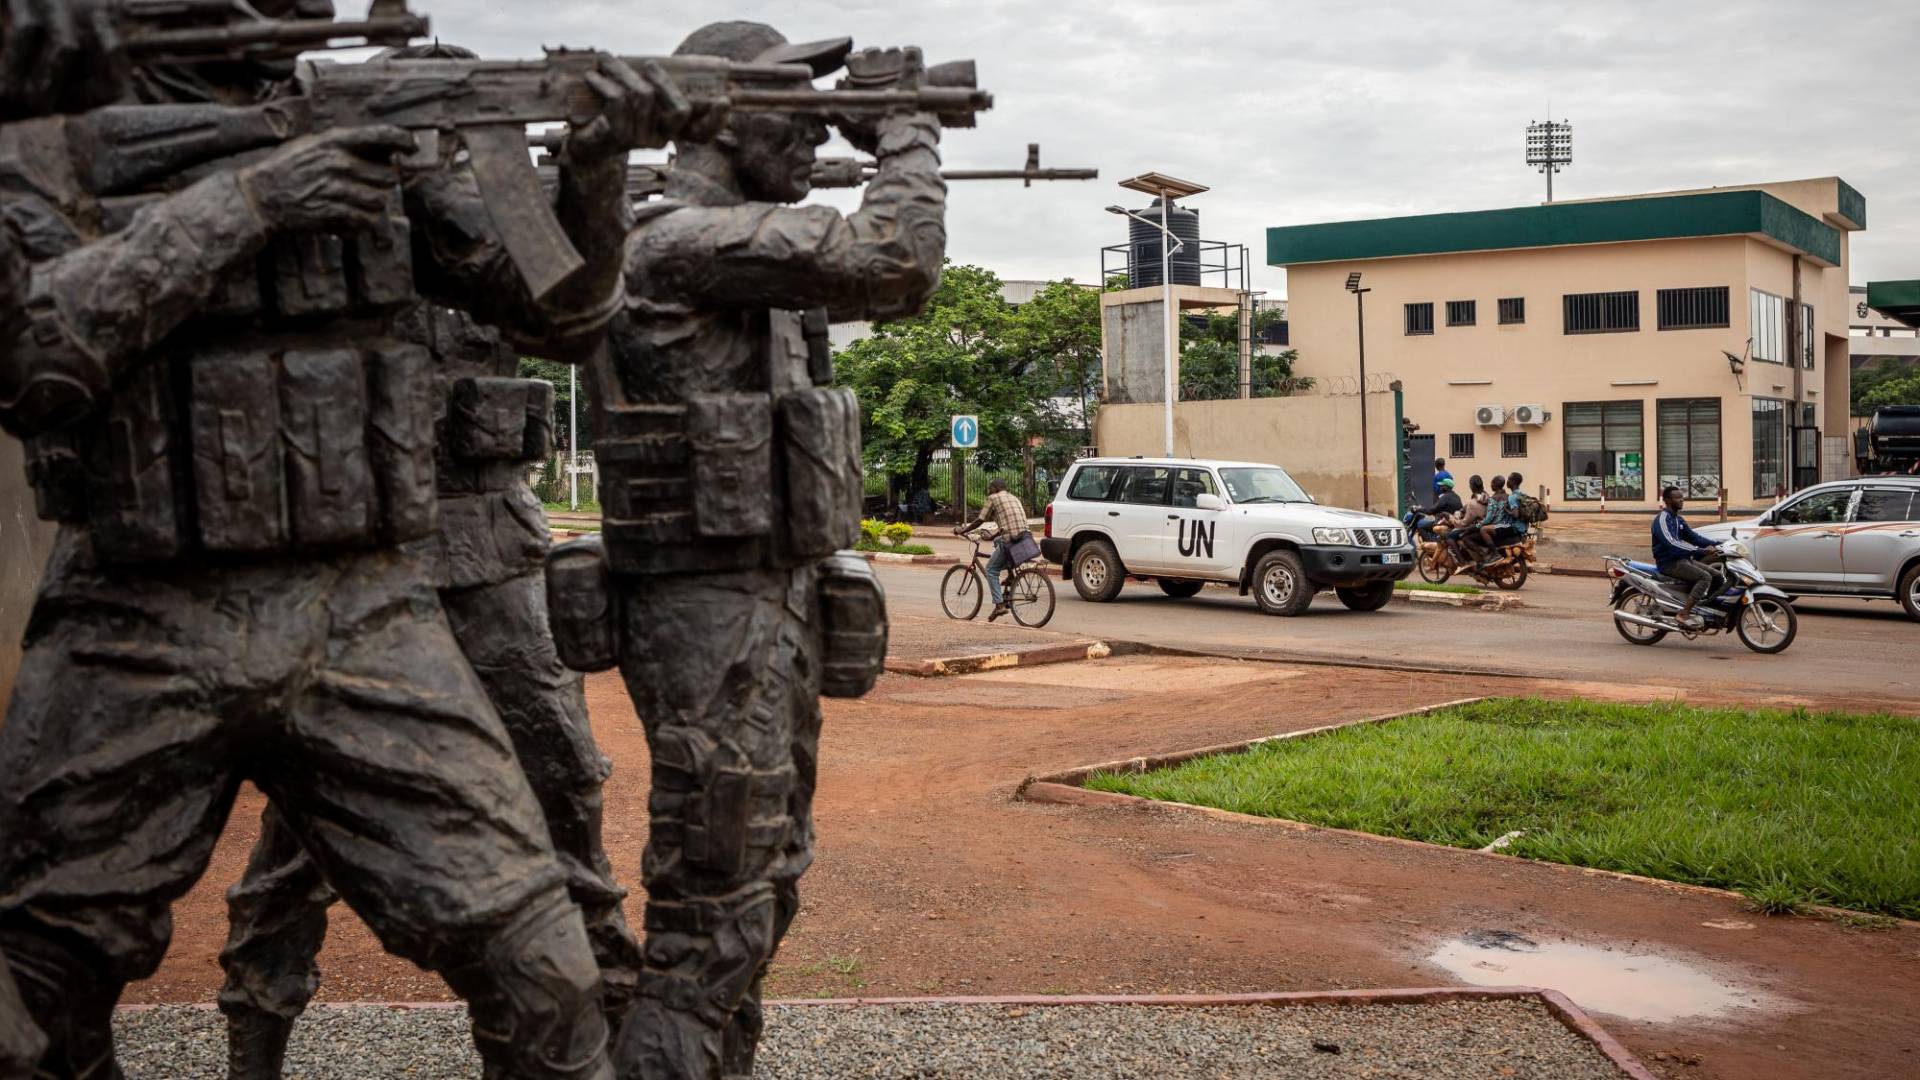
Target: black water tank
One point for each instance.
(1145, 241)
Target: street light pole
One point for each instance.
(1360, 318)
(1166, 300)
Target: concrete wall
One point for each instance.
(1315, 437)
(25, 541)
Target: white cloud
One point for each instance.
(1299, 113)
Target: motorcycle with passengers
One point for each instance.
(1646, 603)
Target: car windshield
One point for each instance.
(1269, 484)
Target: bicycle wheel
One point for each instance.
(960, 593)
(1031, 598)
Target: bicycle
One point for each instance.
(1029, 592)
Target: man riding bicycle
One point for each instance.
(1676, 551)
(1010, 519)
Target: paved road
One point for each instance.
(1845, 647)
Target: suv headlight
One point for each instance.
(1332, 536)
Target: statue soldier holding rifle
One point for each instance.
(731, 479)
(223, 414)
(486, 558)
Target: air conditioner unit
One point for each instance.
(1530, 415)
(1490, 415)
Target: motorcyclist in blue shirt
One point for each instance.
(1676, 551)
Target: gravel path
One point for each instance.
(1498, 1040)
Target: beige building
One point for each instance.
(1583, 344)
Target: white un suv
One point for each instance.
(1184, 523)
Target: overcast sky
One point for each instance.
(1297, 113)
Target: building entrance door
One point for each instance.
(1806, 457)
(1416, 486)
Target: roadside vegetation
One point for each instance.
(891, 538)
(1787, 807)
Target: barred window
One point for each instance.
(1692, 309)
(1460, 312)
(1806, 336)
(1601, 313)
(1513, 444)
(1462, 446)
(1513, 309)
(1419, 319)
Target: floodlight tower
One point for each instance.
(1549, 147)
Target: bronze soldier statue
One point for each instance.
(731, 478)
(239, 446)
(486, 558)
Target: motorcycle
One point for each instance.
(1646, 604)
(1440, 558)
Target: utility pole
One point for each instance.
(1549, 148)
(1360, 315)
(573, 436)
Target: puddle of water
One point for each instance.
(1628, 985)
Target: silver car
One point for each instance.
(1844, 538)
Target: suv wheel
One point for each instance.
(1910, 591)
(1280, 584)
(1097, 575)
(1179, 589)
(1369, 597)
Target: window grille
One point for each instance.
(1601, 313)
(1419, 319)
(1693, 309)
(1462, 446)
(1513, 444)
(1513, 309)
(1460, 312)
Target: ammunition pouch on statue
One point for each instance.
(257, 452)
(853, 620)
(731, 481)
(581, 608)
(498, 419)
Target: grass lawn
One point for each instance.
(1787, 807)
(1428, 586)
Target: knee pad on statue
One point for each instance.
(715, 948)
(853, 619)
(534, 995)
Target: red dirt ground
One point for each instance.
(931, 879)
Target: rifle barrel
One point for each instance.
(287, 37)
(933, 99)
(1020, 174)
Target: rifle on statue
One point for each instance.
(486, 105)
(647, 181)
(197, 31)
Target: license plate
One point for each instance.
(1389, 559)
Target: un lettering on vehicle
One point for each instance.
(1198, 541)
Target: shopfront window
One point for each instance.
(1690, 446)
(1769, 448)
(1605, 450)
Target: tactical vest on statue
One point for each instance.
(720, 446)
(284, 417)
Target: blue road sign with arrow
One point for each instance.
(966, 433)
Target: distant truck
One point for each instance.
(1890, 443)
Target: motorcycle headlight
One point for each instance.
(1332, 536)
(1735, 549)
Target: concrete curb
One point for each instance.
(1487, 601)
(1558, 1005)
(1064, 788)
(939, 667)
(893, 557)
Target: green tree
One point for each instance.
(1210, 360)
(1887, 383)
(971, 352)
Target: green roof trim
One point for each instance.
(1669, 217)
(1853, 205)
(1898, 299)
